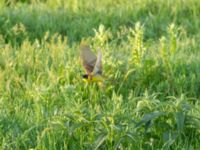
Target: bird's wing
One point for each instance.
(88, 58)
(98, 64)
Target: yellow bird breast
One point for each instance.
(96, 78)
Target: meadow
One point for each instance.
(150, 98)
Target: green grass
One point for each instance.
(149, 100)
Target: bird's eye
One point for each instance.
(85, 76)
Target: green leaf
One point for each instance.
(128, 136)
(180, 121)
(148, 117)
(194, 121)
(102, 137)
(170, 138)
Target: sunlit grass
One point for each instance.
(150, 96)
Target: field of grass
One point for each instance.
(150, 98)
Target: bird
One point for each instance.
(91, 63)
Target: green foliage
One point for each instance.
(150, 96)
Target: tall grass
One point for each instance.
(149, 99)
(76, 19)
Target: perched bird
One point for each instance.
(91, 63)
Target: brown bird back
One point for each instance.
(88, 58)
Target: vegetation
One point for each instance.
(150, 97)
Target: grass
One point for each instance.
(149, 100)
